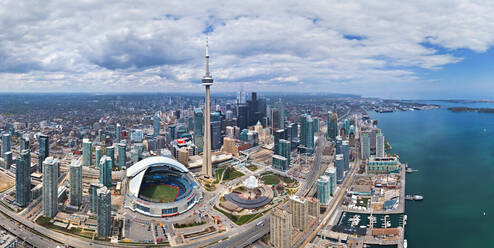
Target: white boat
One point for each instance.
(418, 197)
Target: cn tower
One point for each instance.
(207, 81)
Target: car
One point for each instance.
(260, 223)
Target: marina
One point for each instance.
(372, 220)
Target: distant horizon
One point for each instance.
(233, 93)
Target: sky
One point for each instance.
(385, 48)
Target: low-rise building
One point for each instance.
(383, 165)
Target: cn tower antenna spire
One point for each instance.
(207, 56)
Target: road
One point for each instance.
(249, 233)
(62, 238)
(335, 202)
(24, 234)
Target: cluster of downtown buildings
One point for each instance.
(117, 141)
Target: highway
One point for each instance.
(24, 234)
(61, 238)
(335, 202)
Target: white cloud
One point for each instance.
(266, 45)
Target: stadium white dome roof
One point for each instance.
(155, 161)
(137, 171)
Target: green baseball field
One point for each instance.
(162, 192)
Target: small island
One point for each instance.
(468, 109)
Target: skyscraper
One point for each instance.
(156, 125)
(8, 159)
(310, 135)
(229, 115)
(314, 207)
(5, 144)
(105, 168)
(323, 189)
(22, 182)
(307, 133)
(110, 152)
(140, 149)
(278, 116)
(44, 150)
(25, 143)
(303, 130)
(280, 228)
(98, 155)
(338, 142)
(207, 81)
(100, 138)
(365, 146)
(346, 126)
(256, 110)
(76, 183)
(380, 145)
(93, 196)
(216, 140)
(242, 115)
(340, 167)
(118, 133)
(122, 155)
(315, 124)
(332, 121)
(285, 150)
(345, 149)
(198, 129)
(299, 209)
(278, 135)
(275, 119)
(331, 174)
(26, 154)
(87, 152)
(171, 131)
(104, 212)
(293, 137)
(50, 187)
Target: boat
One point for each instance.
(405, 243)
(414, 197)
(418, 198)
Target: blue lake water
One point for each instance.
(454, 153)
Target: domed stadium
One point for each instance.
(161, 187)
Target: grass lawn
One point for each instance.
(185, 225)
(240, 219)
(270, 179)
(164, 193)
(288, 180)
(218, 173)
(362, 202)
(231, 174)
(252, 167)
